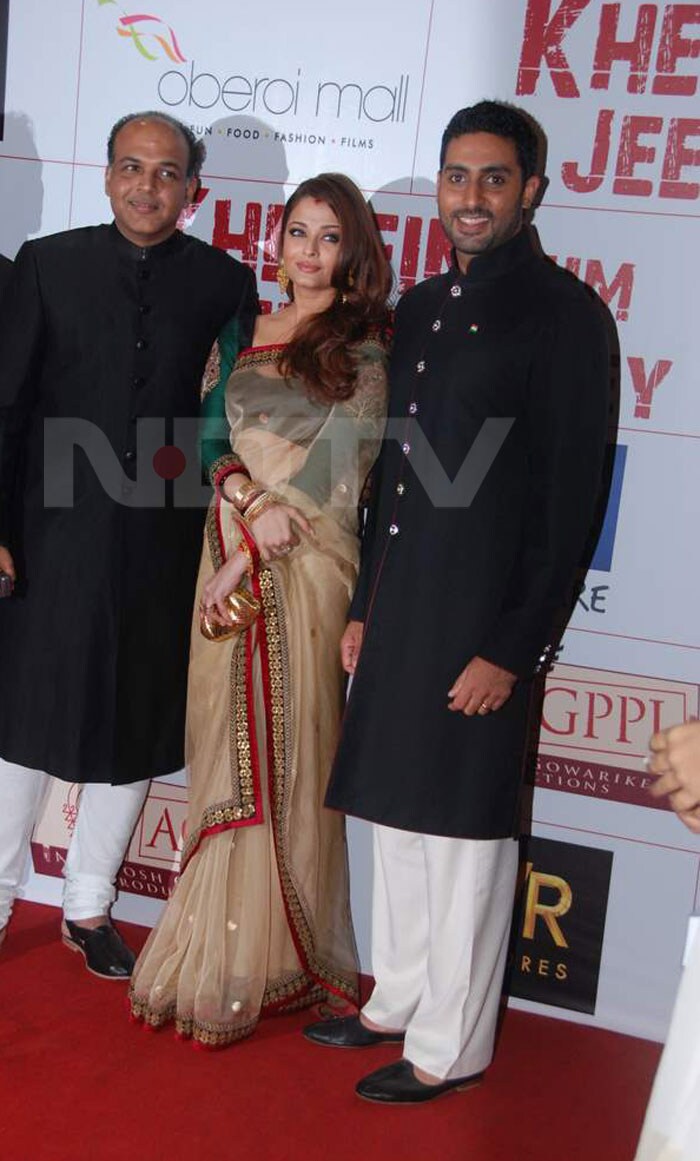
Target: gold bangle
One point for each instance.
(244, 493)
(259, 505)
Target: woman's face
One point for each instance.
(311, 244)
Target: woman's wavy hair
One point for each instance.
(320, 354)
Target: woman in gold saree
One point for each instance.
(260, 918)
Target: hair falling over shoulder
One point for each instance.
(321, 352)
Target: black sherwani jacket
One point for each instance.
(94, 642)
(5, 273)
(443, 581)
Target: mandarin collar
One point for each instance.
(494, 263)
(144, 253)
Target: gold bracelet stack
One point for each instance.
(259, 504)
(245, 494)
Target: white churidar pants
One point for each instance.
(441, 920)
(106, 819)
(672, 1125)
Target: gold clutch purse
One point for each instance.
(242, 608)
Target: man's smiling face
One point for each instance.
(481, 194)
(147, 182)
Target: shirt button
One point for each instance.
(413, 409)
(264, 417)
(130, 456)
(342, 488)
(141, 344)
(138, 381)
(393, 529)
(144, 308)
(420, 367)
(456, 291)
(144, 274)
(437, 324)
(400, 489)
(405, 448)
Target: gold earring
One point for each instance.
(282, 277)
(351, 280)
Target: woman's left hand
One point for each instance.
(221, 585)
(275, 531)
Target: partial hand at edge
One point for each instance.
(481, 688)
(7, 564)
(350, 645)
(675, 762)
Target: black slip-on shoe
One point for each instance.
(103, 949)
(348, 1032)
(397, 1084)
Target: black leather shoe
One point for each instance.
(397, 1084)
(349, 1032)
(103, 949)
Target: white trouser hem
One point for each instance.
(441, 921)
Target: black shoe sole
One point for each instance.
(422, 1100)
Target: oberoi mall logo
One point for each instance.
(149, 35)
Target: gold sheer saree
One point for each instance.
(260, 917)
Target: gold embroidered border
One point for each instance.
(212, 371)
(213, 538)
(242, 805)
(209, 1033)
(259, 356)
(227, 460)
(242, 775)
(282, 725)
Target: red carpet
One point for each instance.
(79, 1081)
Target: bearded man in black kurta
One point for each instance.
(104, 335)
(467, 571)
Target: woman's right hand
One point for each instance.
(221, 585)
(275, 531)
(350, 645)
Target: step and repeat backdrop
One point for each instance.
(282, 92)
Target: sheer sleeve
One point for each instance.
(345, 449)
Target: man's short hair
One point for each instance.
(196, 152)
(503, 120)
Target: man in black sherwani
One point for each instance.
(104, 334)
(466, 576)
